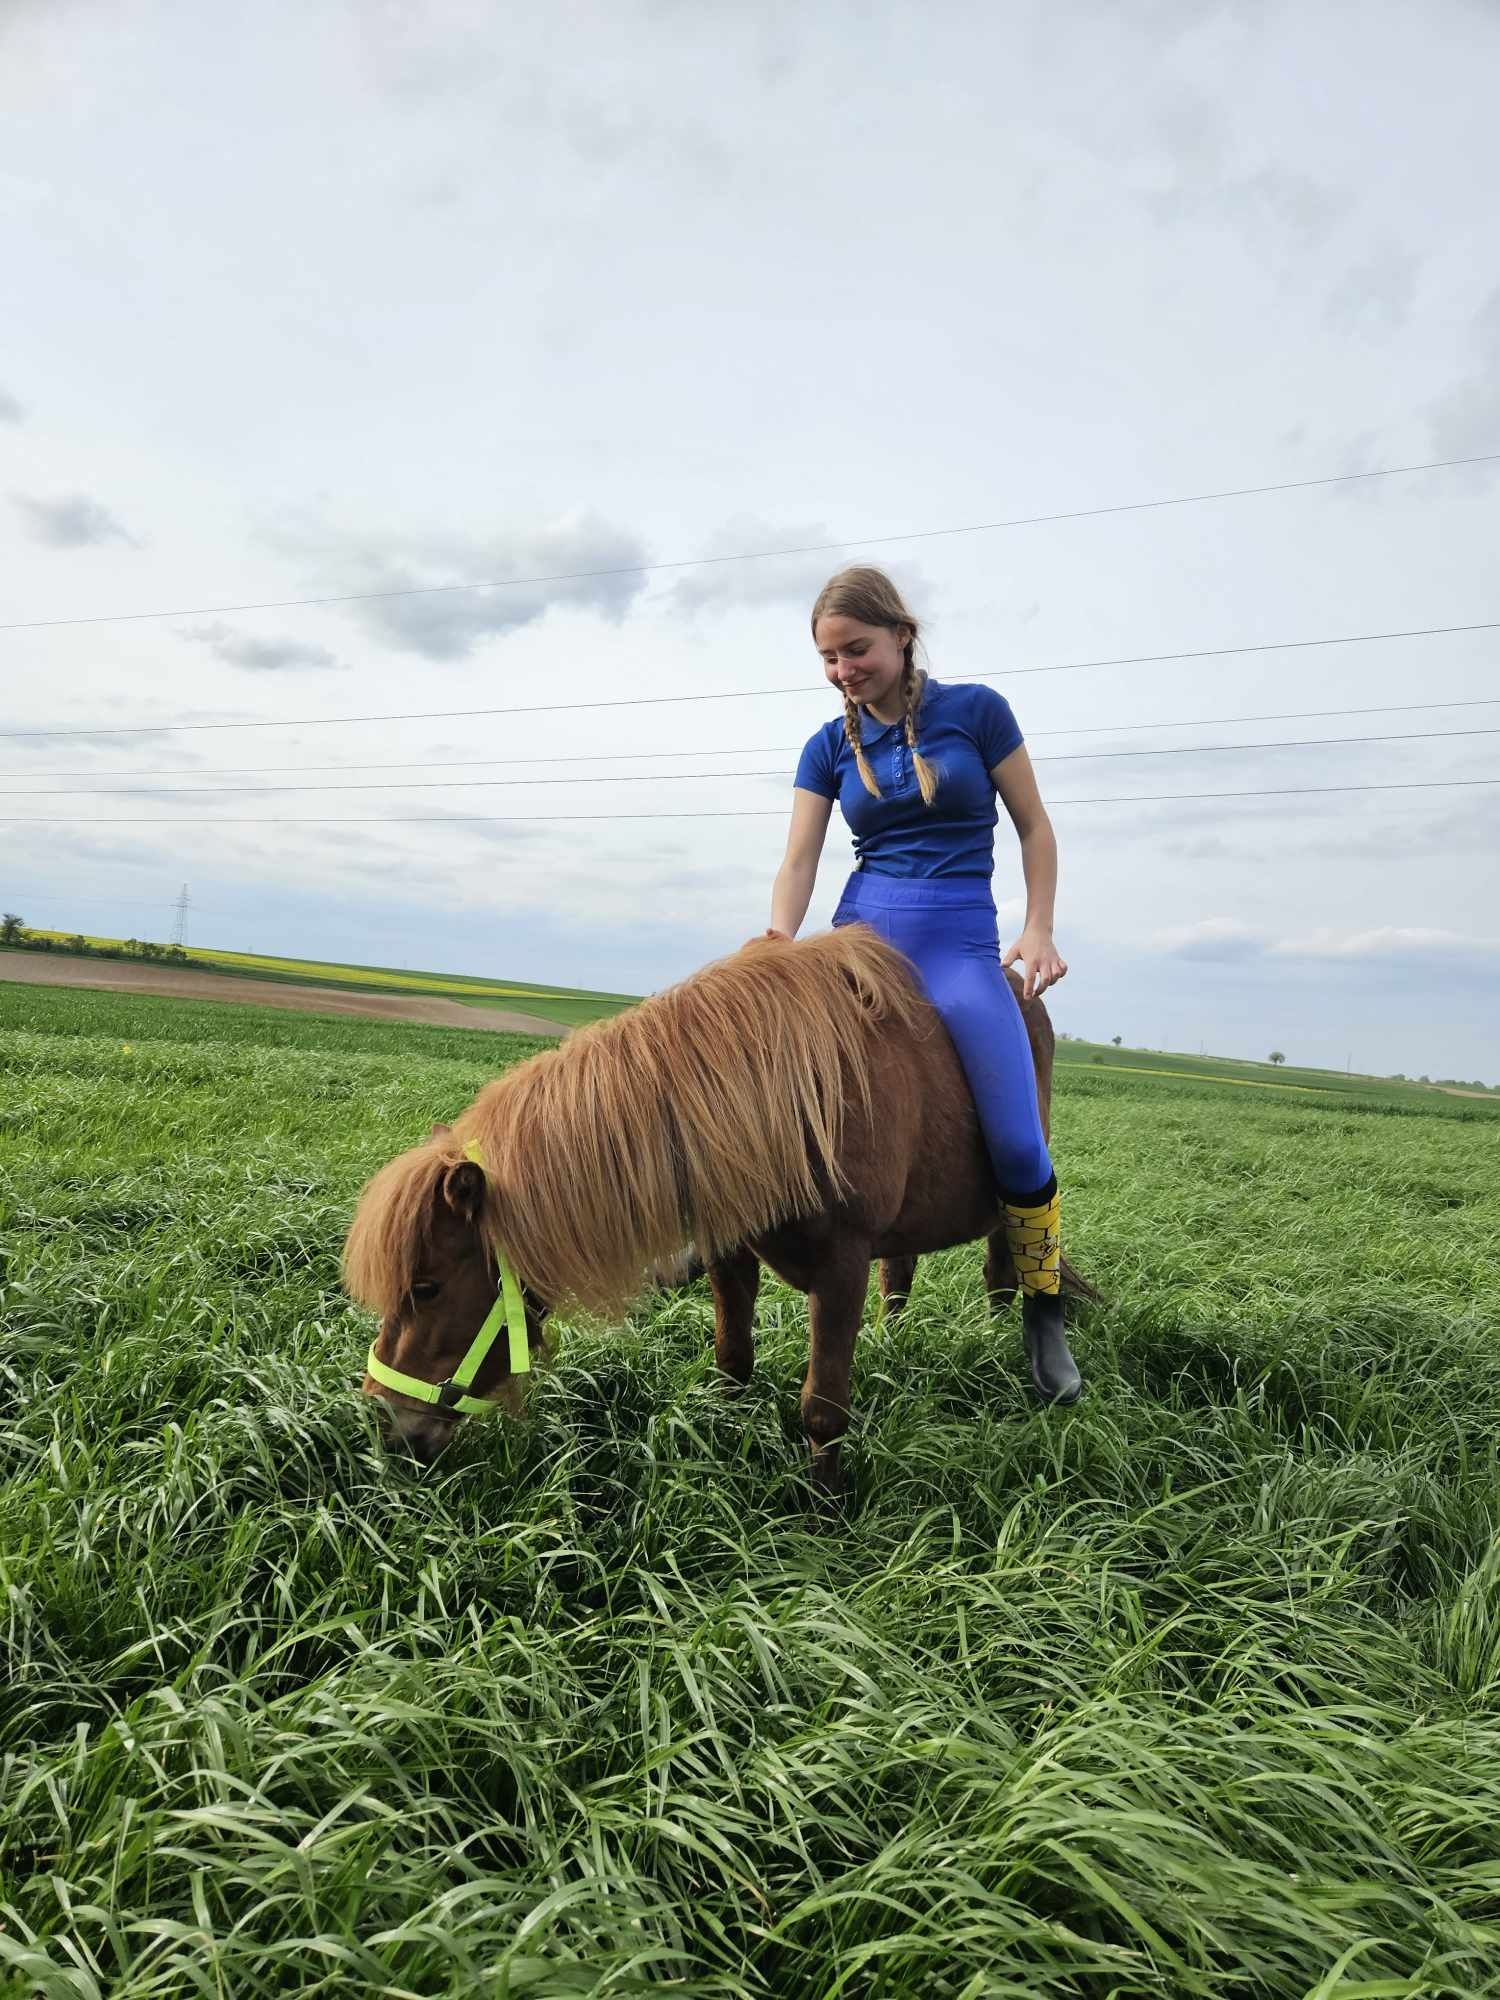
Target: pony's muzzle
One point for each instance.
(426, 1432)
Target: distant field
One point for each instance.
(573, 1006)
(569, 1005)
(1189, 1693)
(1255, 1075)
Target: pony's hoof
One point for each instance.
(829, 1487)
(1058, 1393)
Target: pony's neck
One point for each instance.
(586, 1202)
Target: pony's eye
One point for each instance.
(425, 1291)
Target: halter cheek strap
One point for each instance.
(508, 1311)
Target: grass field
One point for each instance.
(1191, 1691)
(567, 1004)
(1261, 1075)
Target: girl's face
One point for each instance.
(863, 662)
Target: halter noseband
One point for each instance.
(509, 1311)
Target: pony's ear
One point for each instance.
(463, 1189)
(439, 1132)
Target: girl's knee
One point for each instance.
(1024, 1167)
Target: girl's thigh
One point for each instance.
(981, 1013)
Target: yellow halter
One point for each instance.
(509, 1311)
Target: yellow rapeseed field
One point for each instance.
(346, 975)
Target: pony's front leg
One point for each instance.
(896, 1277)
(734, 1280)
(836, 1303)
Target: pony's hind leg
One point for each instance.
(734, 1280)
(836, 1302)
(896, 1275)
(1001, 1280)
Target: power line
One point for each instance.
(111, 903)
(680, 777)
(768, 812)
(745, 694)
(423, 763)
(790, 749)
(1287, 715)
(1284, 743)
(103, 903)
(752, 555)
(421, 785)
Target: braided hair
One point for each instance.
(869, 596)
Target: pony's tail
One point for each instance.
(1076, 1286)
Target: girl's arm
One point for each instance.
(798, 873)
(1015, 781)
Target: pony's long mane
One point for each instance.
(708, 1113)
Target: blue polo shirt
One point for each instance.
(964, 731)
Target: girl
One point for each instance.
(915, 766)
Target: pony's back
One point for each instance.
(711, 1111)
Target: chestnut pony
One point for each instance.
(796, 1104)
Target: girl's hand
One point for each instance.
(1044, 963)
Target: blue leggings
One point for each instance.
(945, 925)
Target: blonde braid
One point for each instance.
(856, 743)
(913, 686)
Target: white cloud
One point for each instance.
(258, 654)
(442, 596)
(791, 580)
(75, 521)
(1215, 940)
(1389, 942)
(1465, 417)
(1228, 940)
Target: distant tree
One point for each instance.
(132, 946)
(11, 927)
(77, 942)
(177, 955)
(1424, 1079)
(153, 951)
(1116, 1040)
(1277, 1057)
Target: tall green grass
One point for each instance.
(1190, 1691)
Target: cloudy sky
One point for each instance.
(337, 300)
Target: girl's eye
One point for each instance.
(424, 1292)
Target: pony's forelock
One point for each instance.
(392, 1225)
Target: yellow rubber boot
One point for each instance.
(1034, 1237)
